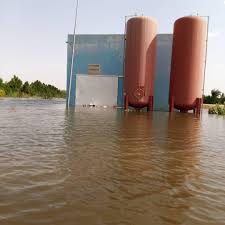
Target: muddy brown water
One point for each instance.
(101, 166)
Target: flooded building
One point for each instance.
(98, 71)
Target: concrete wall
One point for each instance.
(108, 51)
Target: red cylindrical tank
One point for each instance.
(140, 57)
(188, 61)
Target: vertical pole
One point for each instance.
(206, 55)
(124, 50)
(73, 53)
(124, 44)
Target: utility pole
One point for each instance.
(73, 54)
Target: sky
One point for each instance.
(33, 32)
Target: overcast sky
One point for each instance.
(33, 32)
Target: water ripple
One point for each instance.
(101, 166)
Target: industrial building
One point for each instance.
(135, 69)
(107, 51)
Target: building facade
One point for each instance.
(104, 55)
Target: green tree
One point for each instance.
(208, 99)
(222, 99)
(7, 89)
(37, 88)
(16, 88)
(15, 84)
(1, 83)
(26, 88)
(216, 97)
(216, 93)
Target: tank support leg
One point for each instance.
(152, 106)
(150, 103)
(126, 103)
(198, 106)
(171, 107)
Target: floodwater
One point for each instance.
(100, 166)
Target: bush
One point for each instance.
(2, 93)
(220, 110)
(213, 110)
(217, 109)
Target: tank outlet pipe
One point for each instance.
(73, 53)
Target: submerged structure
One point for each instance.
(188, 64)
(105, 54)
(136, 69)
(140, 60)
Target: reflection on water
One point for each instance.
(182, 166)
(96, 166)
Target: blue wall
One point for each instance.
(162, 78)
(106, 50)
